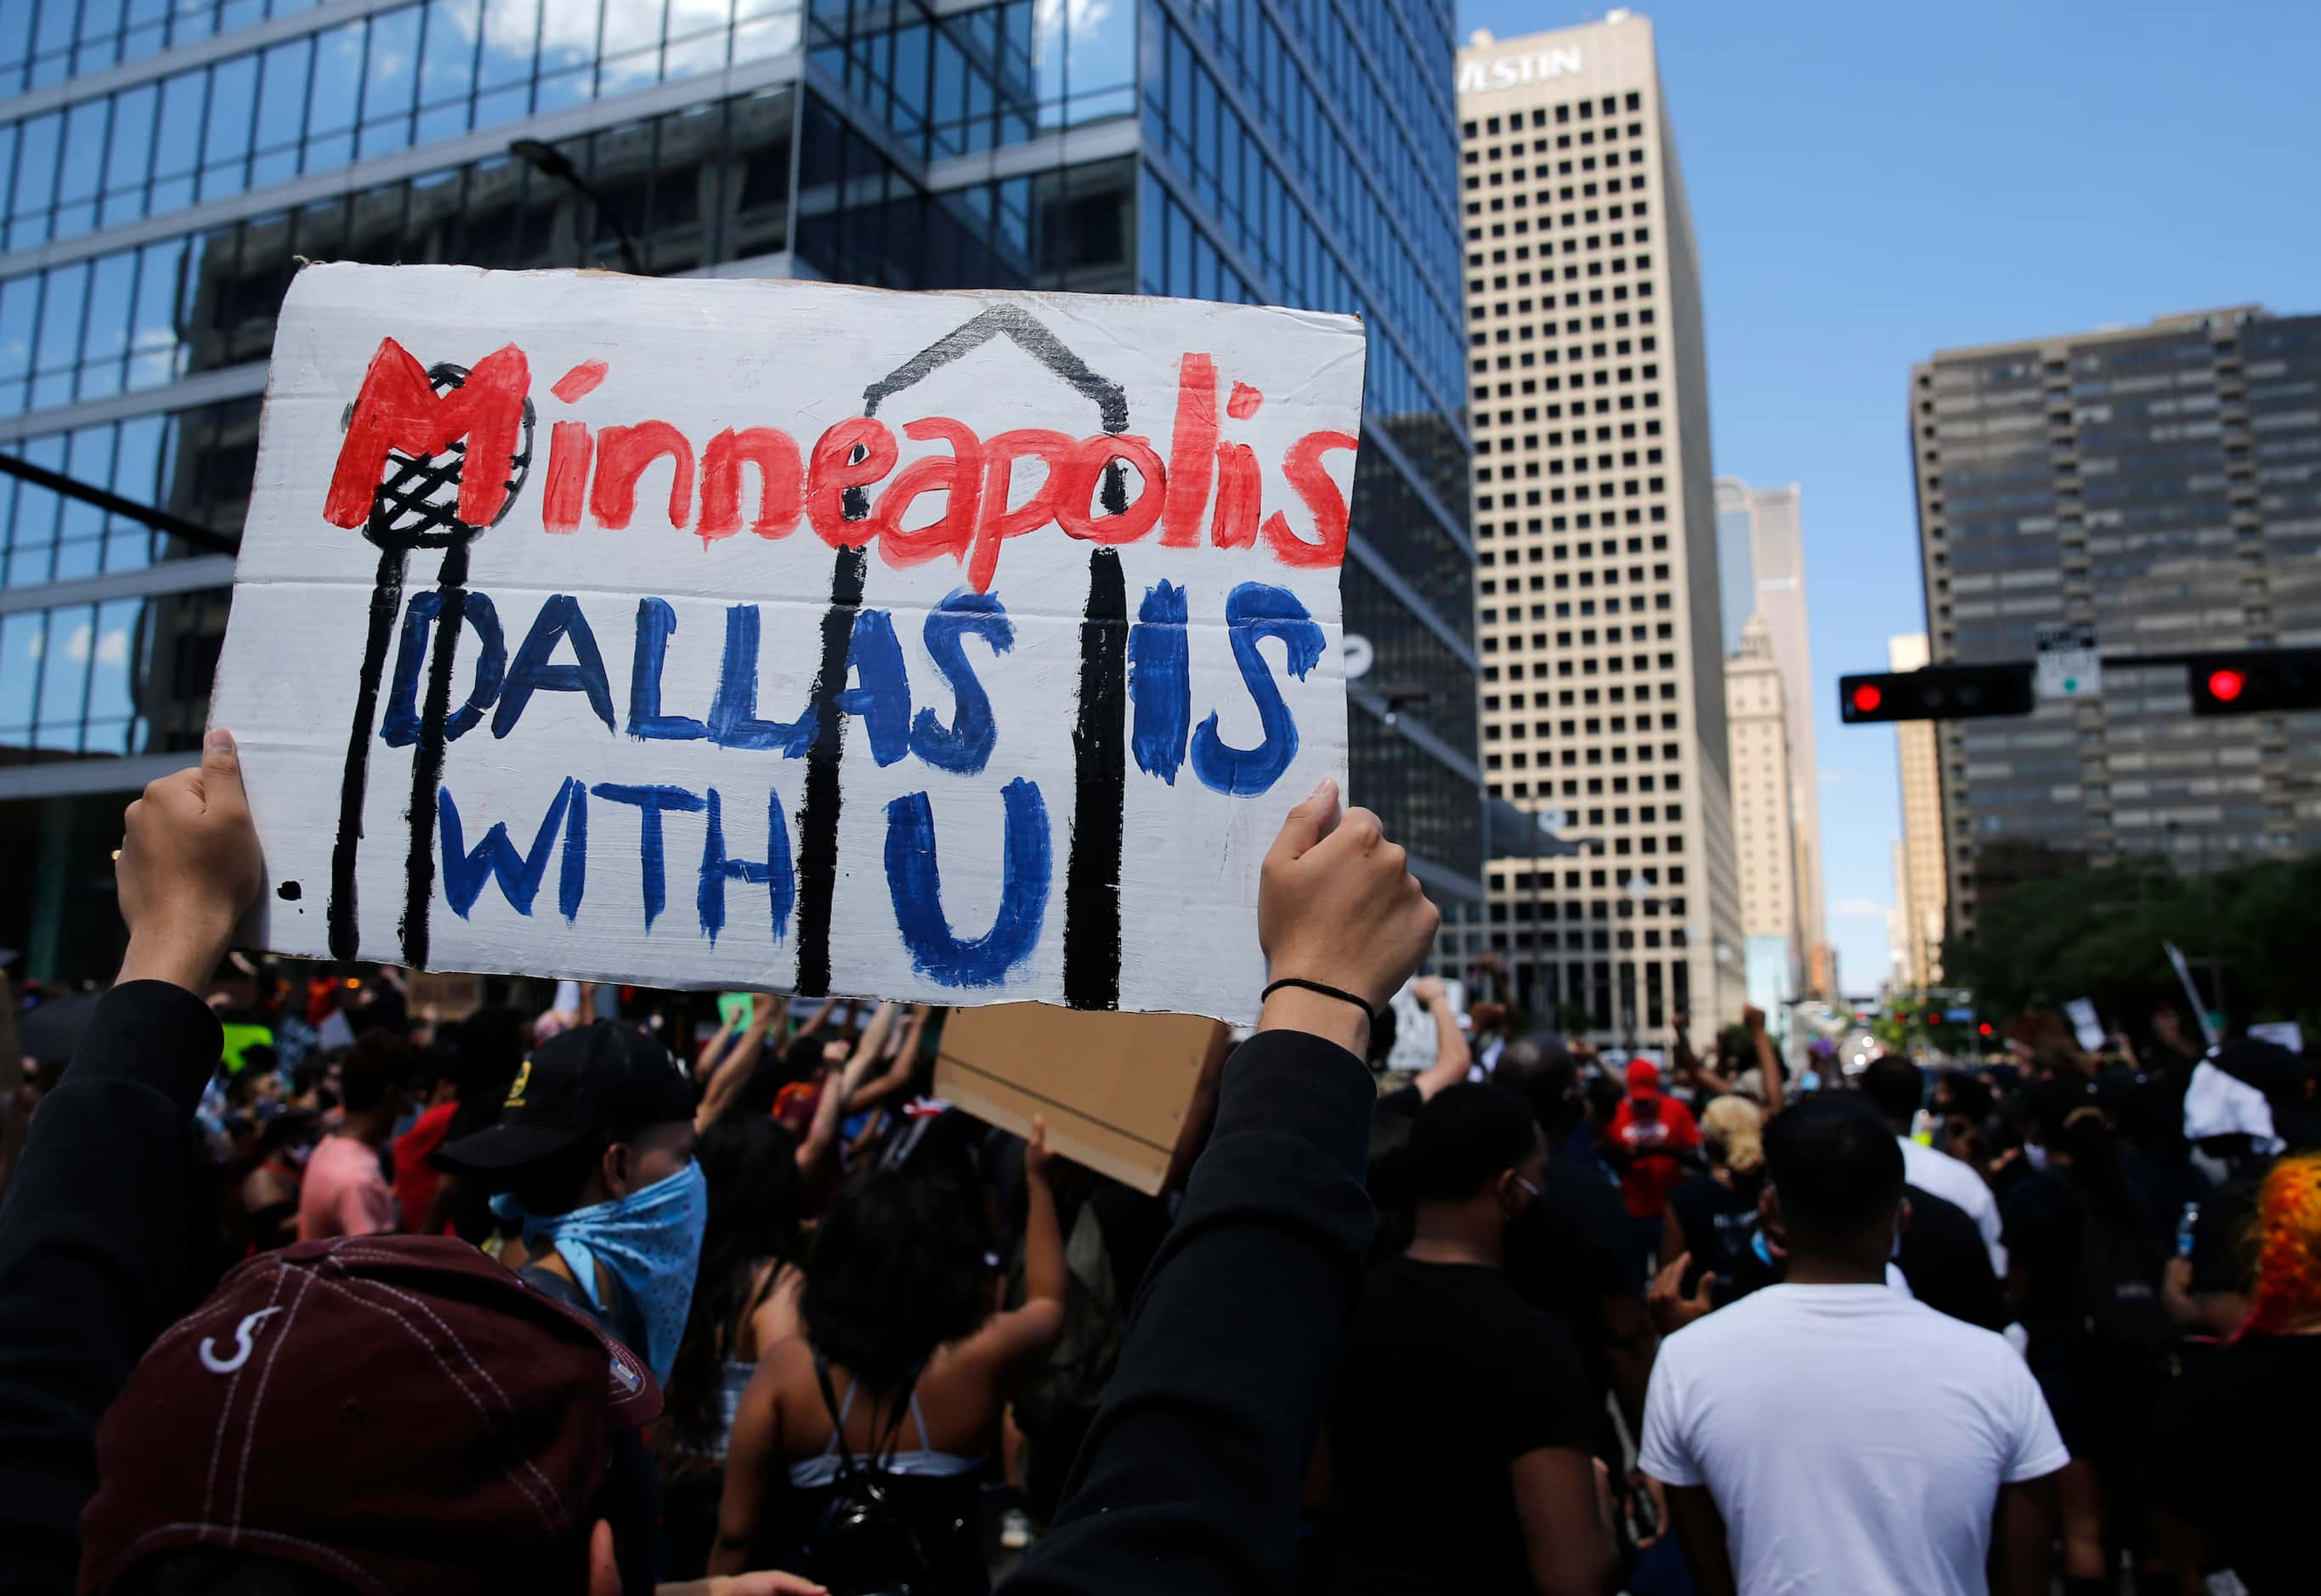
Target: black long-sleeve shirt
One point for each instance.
(94, 1243)
(1189, 1477)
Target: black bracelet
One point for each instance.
(1340, 993)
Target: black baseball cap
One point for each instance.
(603, 1078)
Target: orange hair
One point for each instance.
(2288, 1237)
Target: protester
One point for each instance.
(345, 1190)
(745, 1300)
(1446, 1363)
(417, 1181)
(1712, 1219)
(1652, 1140)
(2225, 1474)
(96, 1242)
(2084, 1278)
(1894, 1086)
(591, 1160)
(269, 1190)
(1190, 1478)
(1917, 1430)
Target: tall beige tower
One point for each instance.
(1765, 818)
(1921, 881)
(1603, 705)
(1761, 563)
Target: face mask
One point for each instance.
(2035, 1155)
(650, 1242)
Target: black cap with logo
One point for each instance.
(602, 1078)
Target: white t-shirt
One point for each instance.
(1953, 1181)
(1852, 1439)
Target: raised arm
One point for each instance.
(1769, 1061)
(1452, 1056)
(1188, 1478)
(96, 1233)
(830, 1108)
(902, 1060)
(730, 1074)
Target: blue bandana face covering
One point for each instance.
(650, 1240)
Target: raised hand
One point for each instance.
(188, 868)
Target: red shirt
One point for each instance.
(415, 1179)
(1653, 1143)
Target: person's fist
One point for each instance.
(1036, 1156)
(1428, 991)
(188, 868)
(1336, 902)
(1753, 1017)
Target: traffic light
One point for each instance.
(1937, 692)
(2255, 681)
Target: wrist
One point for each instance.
(1294, 1009)
(186, 954)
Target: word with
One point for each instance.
(913, 871)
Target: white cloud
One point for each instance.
(77, 644)
(113, 648)
(1860, 907)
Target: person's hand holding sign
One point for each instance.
(188, 868)
(1338, 912)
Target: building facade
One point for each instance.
(1761, 564)
(1603, 703)
(1921, 884)
(1764, 819)
(167, 168)
(2161, 484)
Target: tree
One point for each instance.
(2097, 934)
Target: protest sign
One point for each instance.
(949, 647)
(1115, 1092)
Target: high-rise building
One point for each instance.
(167, 166)
(1764, 819)
(2155, 483)
(1921, 884)
(1761, 559)
(1596, 568)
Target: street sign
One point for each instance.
(2069, 665)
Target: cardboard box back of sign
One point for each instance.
(454, 996)
(1114, 1088)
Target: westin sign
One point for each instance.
(1510, 71)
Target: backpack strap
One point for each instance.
(882, 1449)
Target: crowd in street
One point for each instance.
(305, 1287)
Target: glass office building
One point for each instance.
(2162, 485)
(166, 164)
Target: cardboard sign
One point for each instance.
(1115, 1092)
(949, 647)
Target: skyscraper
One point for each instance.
(1921, 885)
(1762, 565)
(1764, 819)
(167, 165)
(1595, 580)
(2156, 483)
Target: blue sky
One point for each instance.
(1872, 182)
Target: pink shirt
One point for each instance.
(344, 1193)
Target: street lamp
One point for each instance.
(549, 162)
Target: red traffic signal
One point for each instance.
(1984, 1028)
(2255, 681)
(1937, 692)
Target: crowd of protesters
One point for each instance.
(304, 1287)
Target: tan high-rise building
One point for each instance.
(1762, 565)
(1921, 881)
(1603, 703)
(1764, 816)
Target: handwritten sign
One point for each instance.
(952, 647)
